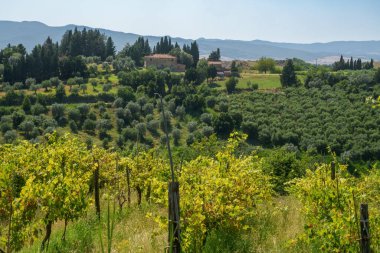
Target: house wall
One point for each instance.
(162, 63)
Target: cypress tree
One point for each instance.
(85, 43)
(147, 49)
(341, 63)
(194, 51)
(288, 75)
(351, 64)
(359, 64)
(110, 47)
(347, 65)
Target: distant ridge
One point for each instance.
(30, 33)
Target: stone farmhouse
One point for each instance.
(162, 61)
(221, 68)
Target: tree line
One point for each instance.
(51, 59)
(352, 64)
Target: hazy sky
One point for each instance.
(274, 20)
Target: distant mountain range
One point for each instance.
(30, 33)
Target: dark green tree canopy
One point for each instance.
(288, 75)
(164, 46)
(215, 55)
(110, 47)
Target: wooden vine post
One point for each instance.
(364, 229)
(332, 170)
(174, 231)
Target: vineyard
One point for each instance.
(61, 180)
(105, 151)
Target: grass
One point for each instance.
(134, 232)
(276, 225)
(265, 81)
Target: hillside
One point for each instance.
(31, 33)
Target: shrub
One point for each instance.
(134, 108)
(148, 108)
(118, 103)
(75, 91)
(73, 126)
(190, 139)
(38, 109)
(168, 118)
(223, 106)
(84, 109)
(223, 124)
(207, 131)
(253, 86)
(192, 126)
(89, 126)
(206, 118)
(153, 126)
(120, 124)
(107, 87)
(231, 84)
(74, 115)
(126, 93)
(130, 134)
(27, 128)
(10, 136)
(17, 117)
(282, 166)
(58, 111)
(141, 130)
(60, 92)
(18, 85)
(176, 136)
(5, 124)
(180, 112)
(211, 101)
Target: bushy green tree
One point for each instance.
(265, 65)
(377, 76)
(26, 105)
(214, 55)
(60, 93)
(231, 84)
(288, 75)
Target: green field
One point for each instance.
(265, 81)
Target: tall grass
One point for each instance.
(132, 231)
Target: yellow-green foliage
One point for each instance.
(50, 183)
(218, 192)
(331, 208)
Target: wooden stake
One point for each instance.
(364, 229)
(332, 170)
(174, 228)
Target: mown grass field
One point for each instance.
(265, 81)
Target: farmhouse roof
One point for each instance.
(214, 63)
(160, 56)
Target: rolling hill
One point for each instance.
(30, 33)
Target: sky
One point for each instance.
(302, 21)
